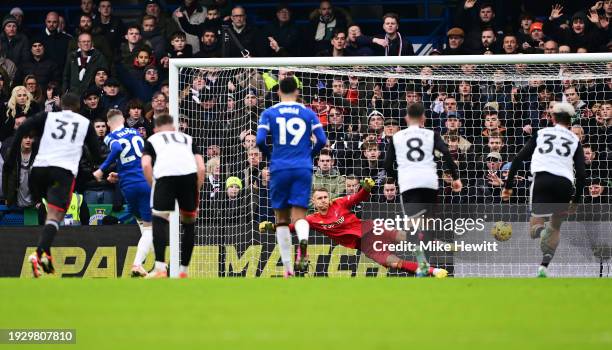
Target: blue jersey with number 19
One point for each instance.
(290, 124)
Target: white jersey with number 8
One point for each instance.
(414, 151)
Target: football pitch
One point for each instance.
(314, 313)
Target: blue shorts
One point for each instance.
(138, 198)
(290, 188)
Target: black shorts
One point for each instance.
(54, 184)
(550, 194)
(419, 201)
(183, 189)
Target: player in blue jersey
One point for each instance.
(290, 124)
(126, 147)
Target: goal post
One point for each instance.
(220, 100)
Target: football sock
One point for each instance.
(302, 228)
(144, 244)
(161, 228)
(187, 243)
(536, 231)
(410, 266)
(283, 237)
(183, 269)
(46, 238)
(160, 266)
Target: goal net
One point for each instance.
(485, 108)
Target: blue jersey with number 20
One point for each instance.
(290, 124)
(125, 146)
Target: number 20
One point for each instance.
(294, 126)
(137, 143)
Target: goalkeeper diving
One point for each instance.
(334, 219)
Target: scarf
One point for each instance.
(82, 62)
(401, 44)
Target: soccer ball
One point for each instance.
(502, 231)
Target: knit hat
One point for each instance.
(233, 181)
(16, 11)
(494, 155)
(8, 19)
(536, 26)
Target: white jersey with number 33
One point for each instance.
(414, 151)
(554, 153)
(61, 144)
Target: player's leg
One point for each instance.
(60, 185)
(163, 205)
(280, 183)
(188, 197)
(138, 198)
(299, 198)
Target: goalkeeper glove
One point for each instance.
(367, 184)
(265, 226)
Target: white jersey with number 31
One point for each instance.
(61, 144)
(554, 153)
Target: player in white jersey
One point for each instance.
(63, 135)
(410, 159)
(174, 167)
(555, 153)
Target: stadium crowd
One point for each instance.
(114, 64)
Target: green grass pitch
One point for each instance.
(314, 313)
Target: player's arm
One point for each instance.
(200, 165)
(525, 154)
(317, 131)
(35, 123)
(441, 147)
(262, 134)
(580, 167)
(115, 151)
(148, 157)
(390, 162)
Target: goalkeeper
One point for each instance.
(335, 219)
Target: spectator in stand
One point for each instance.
(178, 49)
(21, 103)
(52, 95)
(99, 41)
(34, 89)
(283, 34)
(456, 36)
(82, 64)
(392, 43)
(371, 163)
(536, 39)
(473, 19)
(13, 45)
(524, 31)
(510, 44)
(135, 119)
(159, 105)
(571, 96)
(338, 43)
(585, 31)
(8, 69)
(16, 183)
(358, 44)
(209, 44)
(323, 21)
(17, 12)
(327, 175)
(110, 26)
(113, 98)
(94, 191)
(195, 14)
(38, 65)
(164, 22)
(251, 171)
(489, 44)
(88, 8)
(133, 44)
(152, 34)
(99, 79)
(551, 47)
(141, 89)
(489, 186)
(91, 108)
(389, 192)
